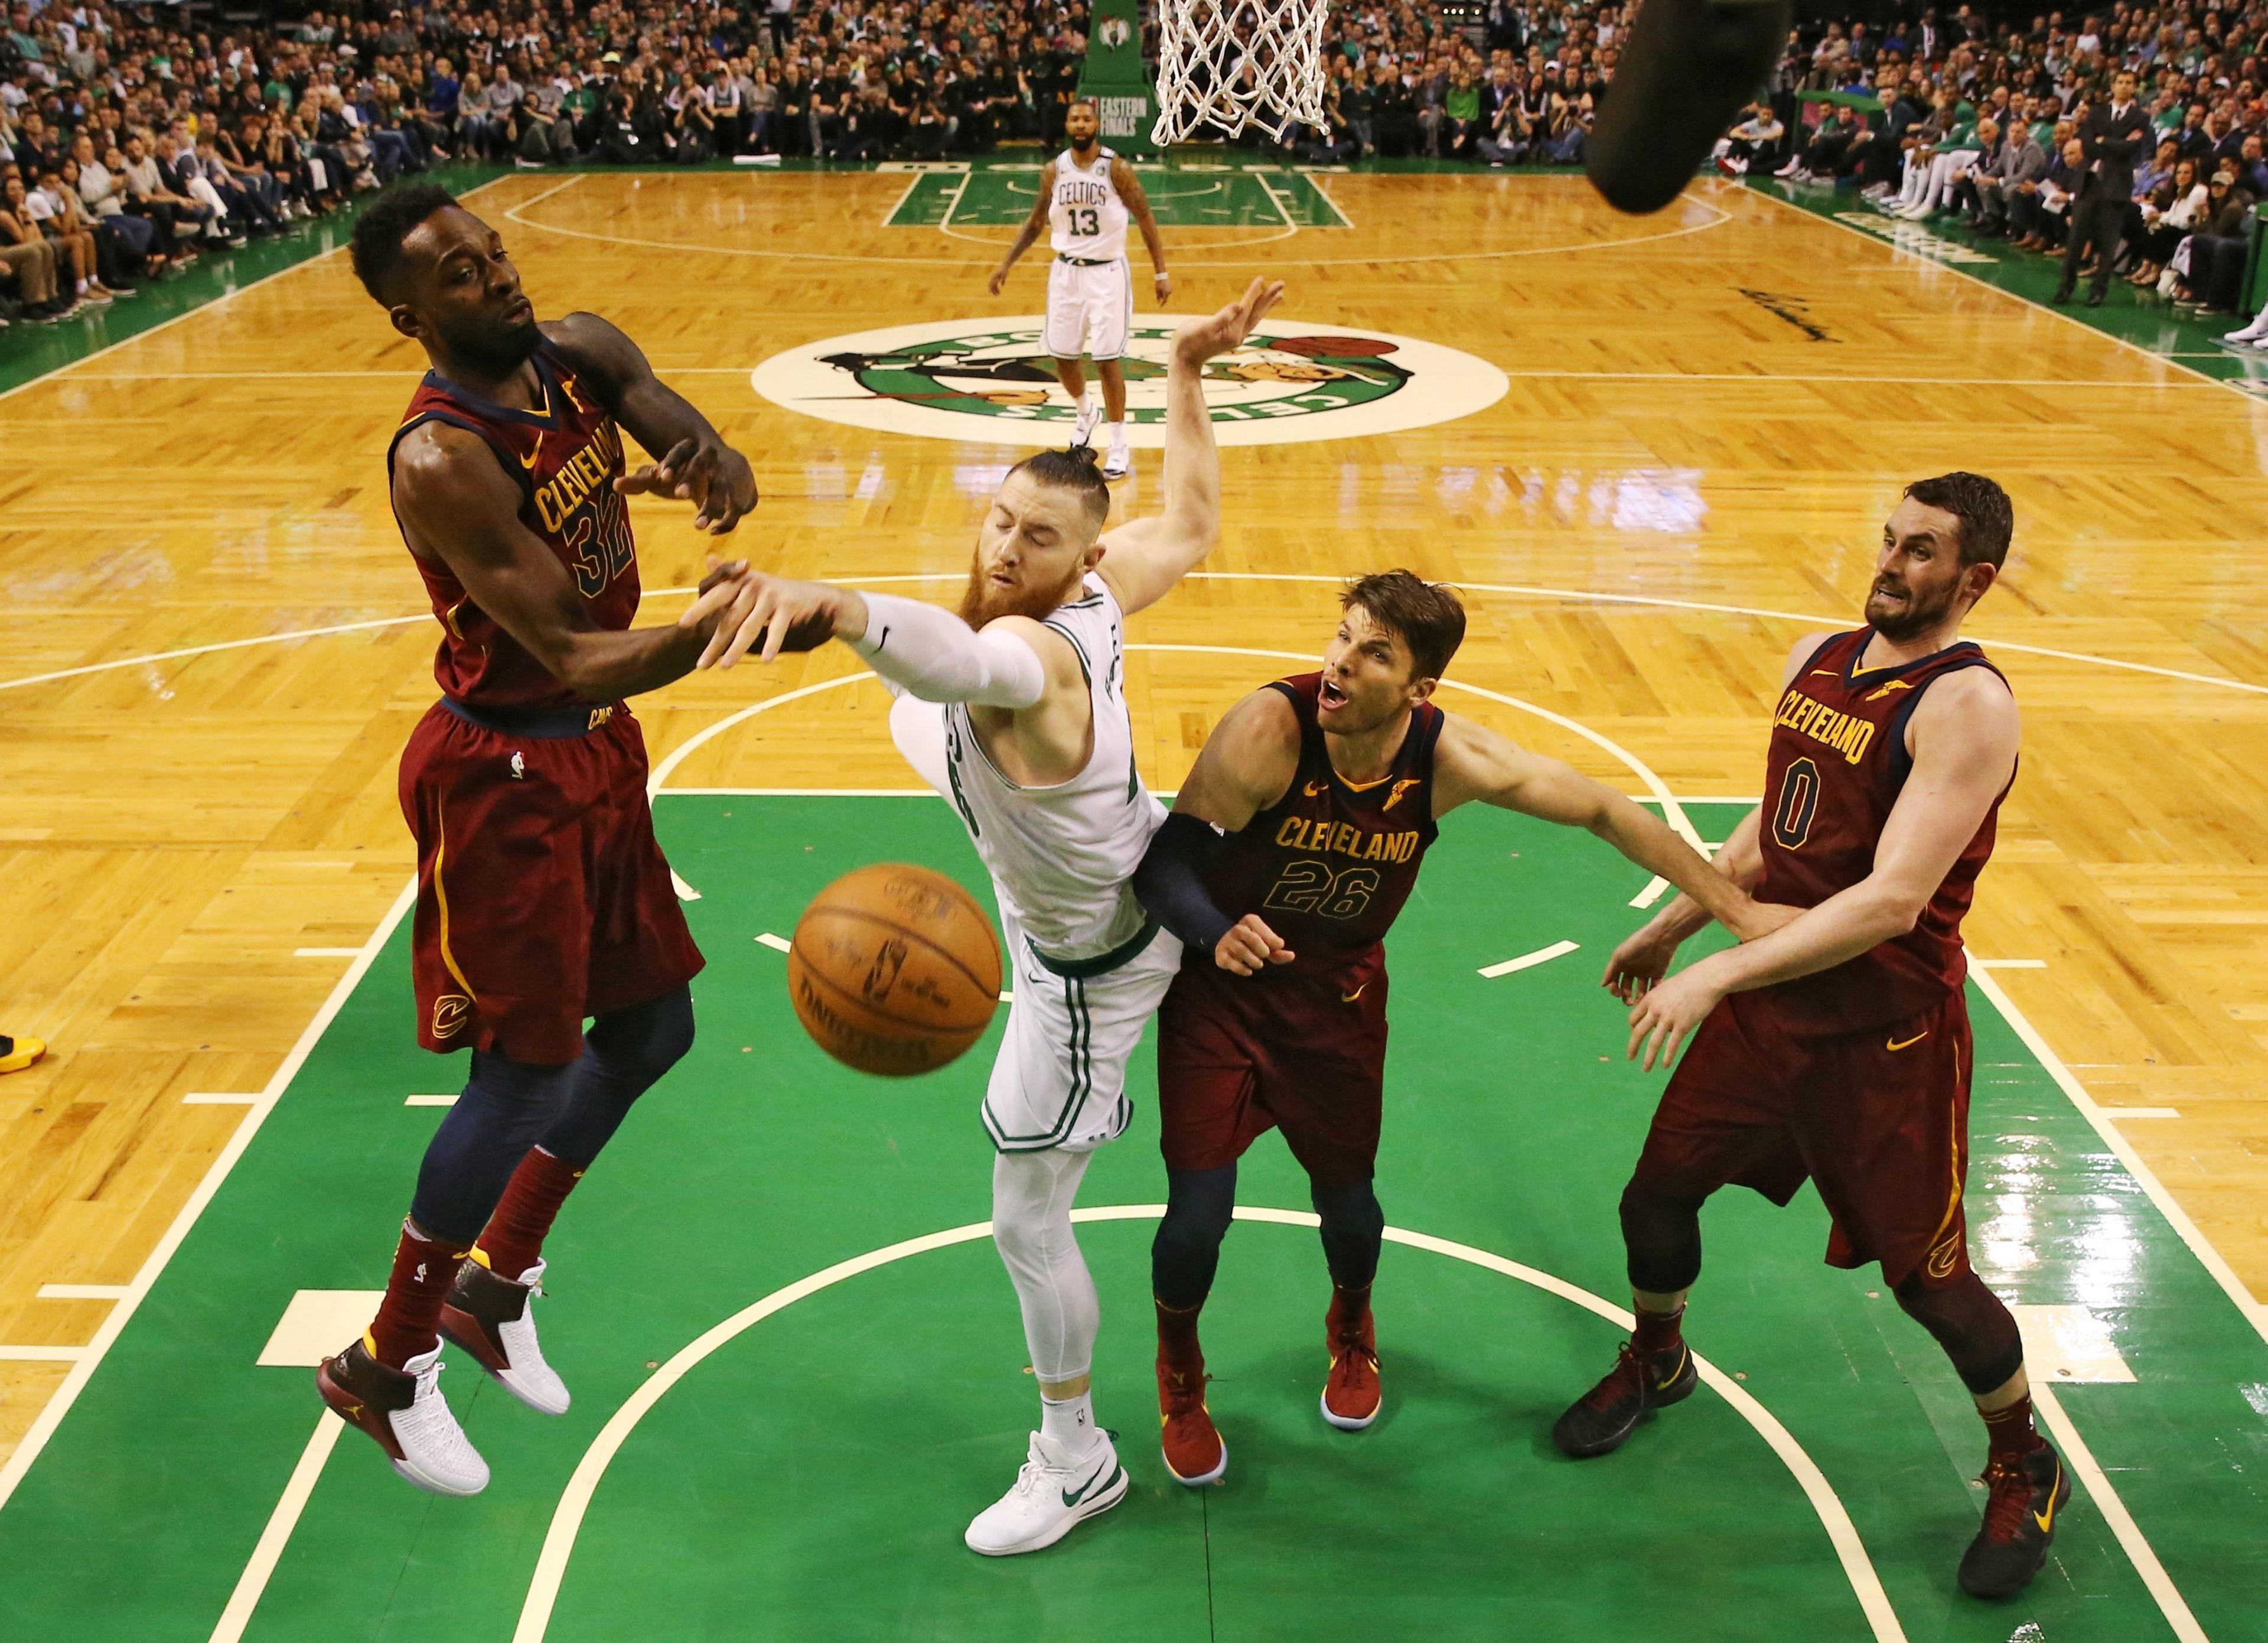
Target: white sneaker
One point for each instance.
(1090, 418)
(2251, 332)
(1875, 191)
(493, 1317)
(1790, 169)
(1053, 1495)
(1119, 463)
(404, 1412)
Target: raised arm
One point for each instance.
(696, 465)
(1138, 207)
(1030, 231)
(1473, 763)
(459, 506)
(1144, 560)
(1965, 736)
(1245, 766)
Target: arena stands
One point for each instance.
(143, 136)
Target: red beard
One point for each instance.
(981, 601)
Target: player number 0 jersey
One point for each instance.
(1085, 217)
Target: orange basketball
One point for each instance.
(895, 969)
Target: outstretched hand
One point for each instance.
(741, 606)
(712, 475)
(1200, 340)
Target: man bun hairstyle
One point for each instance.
(1074, 469)
(1988, 519)
(382, 227)
(1428, 616)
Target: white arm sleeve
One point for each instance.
(937, 658)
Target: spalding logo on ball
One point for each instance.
(894, 970)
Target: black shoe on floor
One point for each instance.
(1598, 1422)
(2062, 295)
(2094, 300)
(2020, 1518)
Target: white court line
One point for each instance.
(277, 1532)
(1529, 960)
(1276, 200)
(1652, 892)
(49, 1417)
(1579, 596)
(81, 1292)
(2017, 297)
(775, 943)
(2232, 1285)
(2105, 1500)
(1654, 785)
(1571, 595)
(935, 263)
(429, 1100)
(575, 1499)
(44, 1355)
(1744, 377)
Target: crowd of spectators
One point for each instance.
(1962, 120)
(132, 138)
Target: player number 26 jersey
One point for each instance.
(1329, 865)
(1085, 217)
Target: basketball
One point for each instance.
(893, 970)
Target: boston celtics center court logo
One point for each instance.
(1292, 381)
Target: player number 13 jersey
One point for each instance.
(1085, 217)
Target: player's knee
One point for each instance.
(640, 1044)
(1200, 1203)
(1661, 1235)
(1972, 1324)
(1350, 1207)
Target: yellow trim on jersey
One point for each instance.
(441, 897)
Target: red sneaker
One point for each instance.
(1352, 1393)
(1195, 1453)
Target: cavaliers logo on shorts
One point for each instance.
(449, 1013)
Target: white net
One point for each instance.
(1227, 64)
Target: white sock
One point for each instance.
(1119, 435)
(1068, 1424)
(82, 288)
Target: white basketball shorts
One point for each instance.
(1090, 309)
(1060, 1081)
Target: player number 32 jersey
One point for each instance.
(1085, 217)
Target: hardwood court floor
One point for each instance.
(1709, 413)
(797, 1371)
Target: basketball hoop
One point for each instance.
(1227, 64)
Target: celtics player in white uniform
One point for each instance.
(1088, 195)
(1015, 710)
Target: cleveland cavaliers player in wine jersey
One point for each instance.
(542, 899)
(1291, 848)
(1838, 1048)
